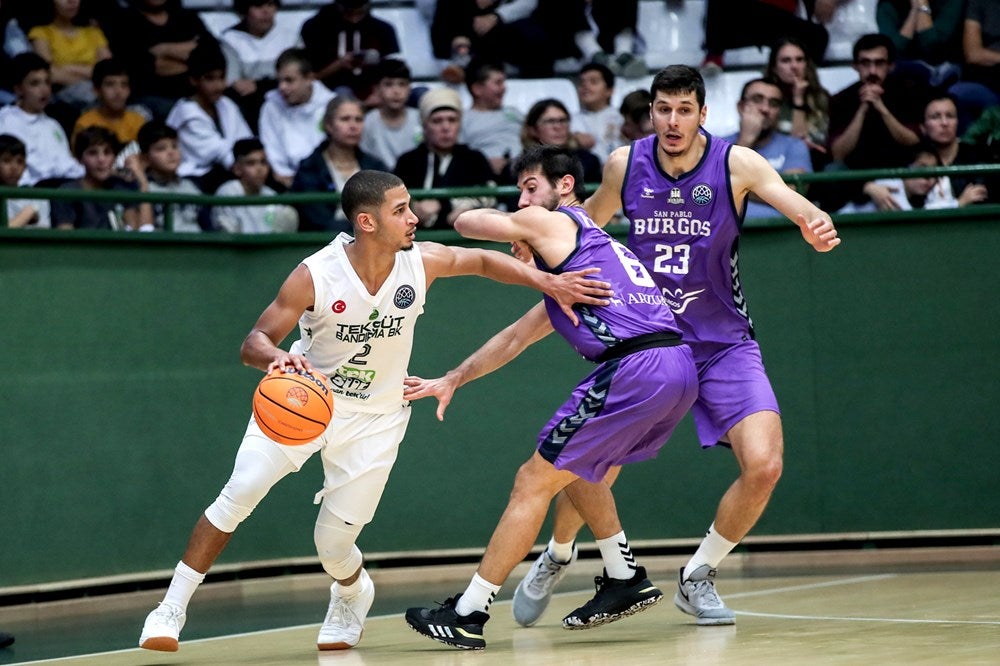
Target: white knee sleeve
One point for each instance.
(257, 468)
(335, 545)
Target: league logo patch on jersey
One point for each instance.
(405, 297)
(675, 196)
(702, 194)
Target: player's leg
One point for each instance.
(356, 470)
(535, 590)
(459, 621)
(260, 463)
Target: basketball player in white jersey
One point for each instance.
(355, 303)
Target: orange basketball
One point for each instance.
(293, 407)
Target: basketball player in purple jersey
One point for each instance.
(622, 412)
(685, 192)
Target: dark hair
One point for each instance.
(477, 71)
(105, 68)
(541, 106)
(25, 63)
(679, 79)
(871, 41)
(603, 70)
(365, 191)
(635, 105)
(244, 147)
(762, 79)
(89, 137)
(153, 131)
(205, 58)
(554, 162)
(294, 57)
(11, 145)
(242, 7)
(392, 68)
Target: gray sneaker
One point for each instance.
(533, 594)
(697, 596)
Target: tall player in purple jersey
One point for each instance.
(685, 192)
(622, 412)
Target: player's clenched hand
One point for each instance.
(575, 287)
(820, 233)
(442, 388)
(521, 251)
(290, 362)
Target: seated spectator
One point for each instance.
(441, 161)
(49, 158)
(111, 86)
(32, 213)
(346, 43)
(597, 127)
(805, 109)
(208, 123)
(547, 123)
(154, 38)
(332, 163)
(96, 148)
(72, 44)
(732, 25)
(251, 47)
(155, 168)
(985, 133)
(392, 128)
(291, 120)
(636, 121)
(920, 192)
(940, 134)
(488, 126)
(251, 170)
(979, 88)
(927, 35)
(758, 108)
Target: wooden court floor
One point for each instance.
(853, 617)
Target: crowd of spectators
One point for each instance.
(139, 95)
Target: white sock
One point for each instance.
(182, 586)
(348, 591)
(477, 597)
(561, 553)
(712, 550)
(617, 556)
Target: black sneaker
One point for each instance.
(614, 600)
(445, 625)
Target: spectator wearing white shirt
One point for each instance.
(598, 124)
(488, 126)
(392, 128)
(291, 120)
(251, 170)
(33, 213)
(48, 154)
(207, 123)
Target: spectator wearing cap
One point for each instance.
(346, 43)
(441, 161)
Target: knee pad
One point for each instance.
(335, 545)
(256, 470)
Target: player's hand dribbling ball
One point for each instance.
(293, 407)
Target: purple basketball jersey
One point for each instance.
(636, 308)
(686, 230)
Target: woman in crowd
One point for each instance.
(547, 123)
(72, 44)
(806, 110)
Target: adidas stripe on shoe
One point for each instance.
(445, 625)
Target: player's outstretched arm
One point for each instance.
(566, 288)
(260, 348)
(602, 205)
(499, 350)
(753, 174)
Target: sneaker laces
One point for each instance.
(169, 614)
(543, 576)
(340, 613)
(705, 589)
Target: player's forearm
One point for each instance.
(508, 270)
(503, 347)
(258, 350)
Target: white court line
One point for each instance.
(866, 619)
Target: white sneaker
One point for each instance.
(162, 628)
(697, 596)
(345, 617)
(533, 594)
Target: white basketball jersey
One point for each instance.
(360, 341)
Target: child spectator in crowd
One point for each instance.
(111, 86)
(48, 157)
(20, 212)
(251, 170)
(96, 148)
(392, 128)
(488, 126)
(636, 122)
(598, 124)
(251, 47)
(155, 167)
(72, 45)
(291, 120)
(208, 123)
